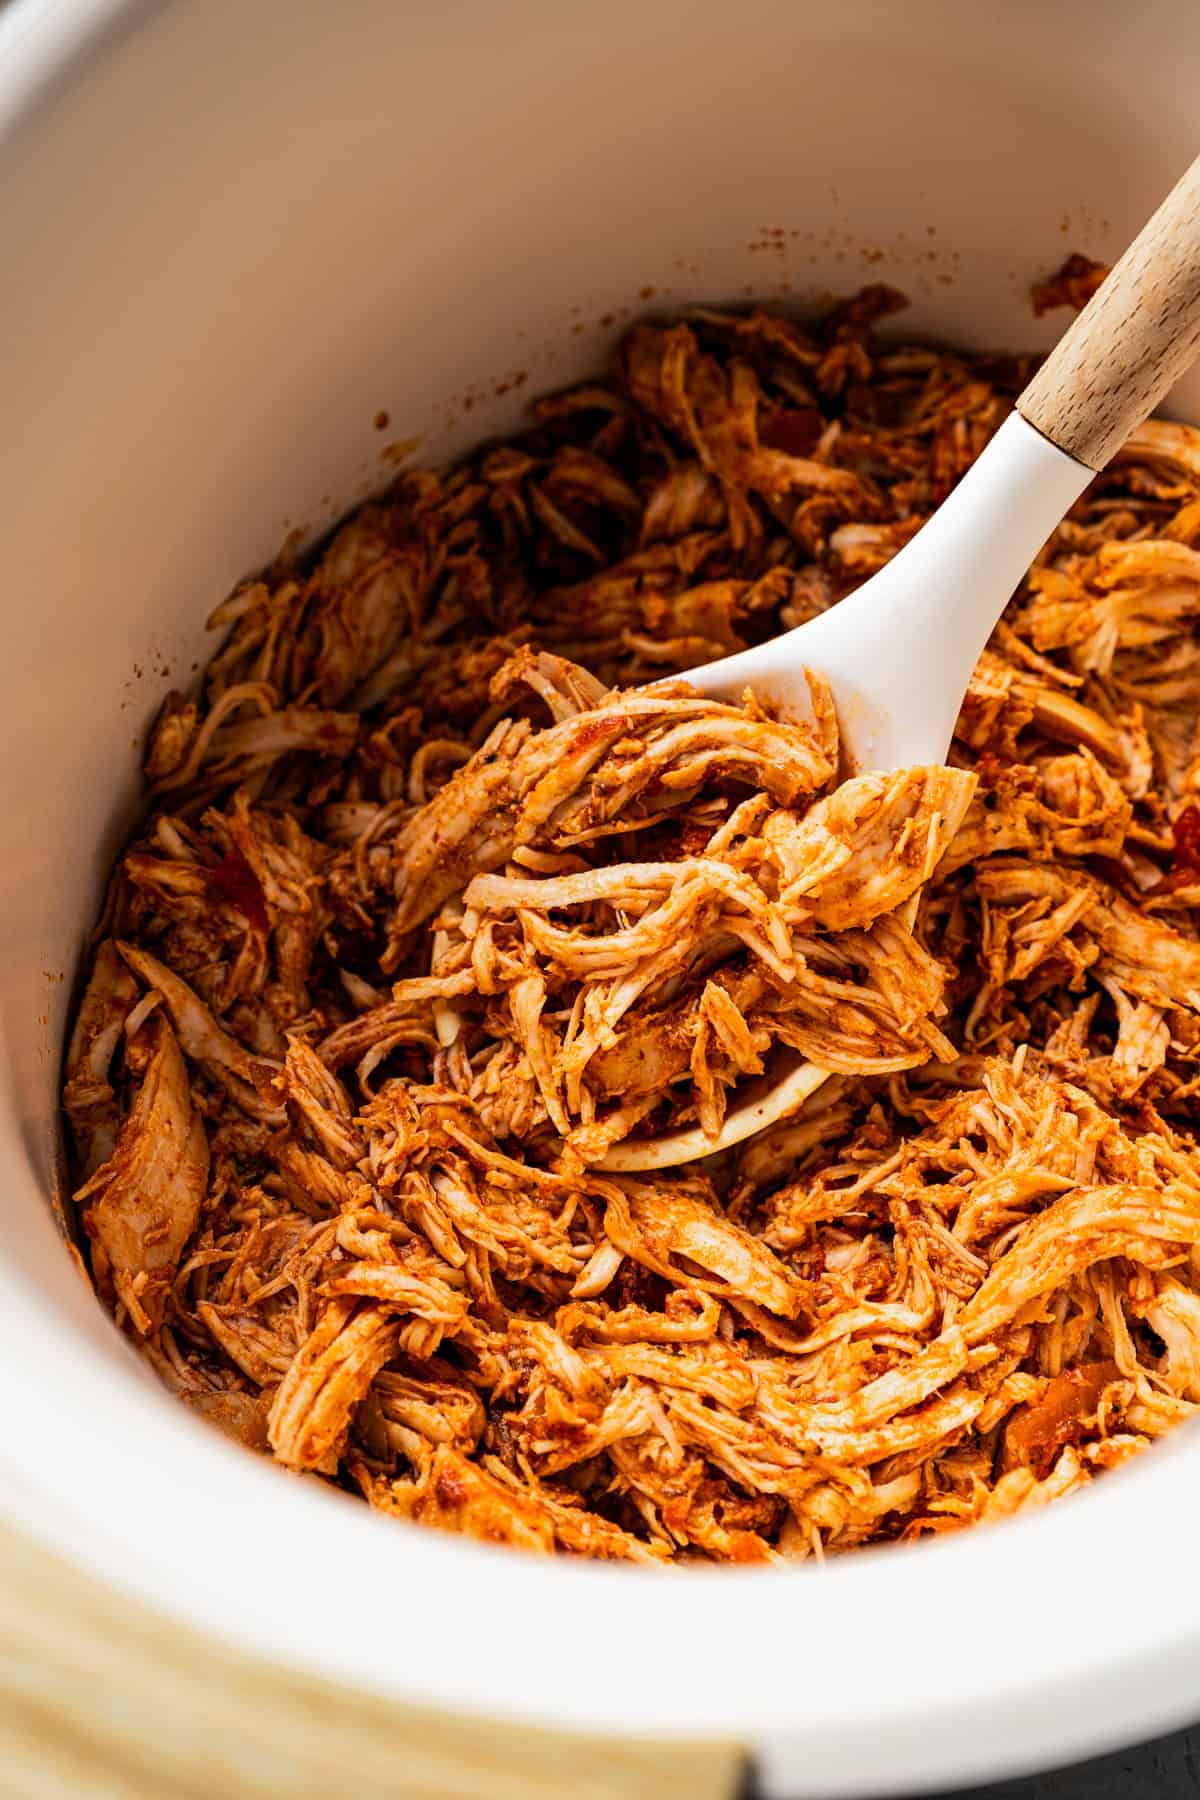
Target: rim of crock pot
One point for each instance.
(1052, 1635)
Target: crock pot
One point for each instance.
(251, 250)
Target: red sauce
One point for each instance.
(591, 731)
(793, 429)
(235, 881)
(451, 1489)
(1037, 1432)
(1186, 833)
(1185, 857)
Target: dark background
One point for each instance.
(1168, 1768)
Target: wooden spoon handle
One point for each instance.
(1131, 342)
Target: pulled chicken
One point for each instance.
(447, 882)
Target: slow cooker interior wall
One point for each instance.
(199, 341)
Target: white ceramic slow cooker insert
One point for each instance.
(236, 231)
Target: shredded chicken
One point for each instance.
(448, 882)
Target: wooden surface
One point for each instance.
(1132, 341)
(102, 1698)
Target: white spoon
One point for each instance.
(898, 652)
